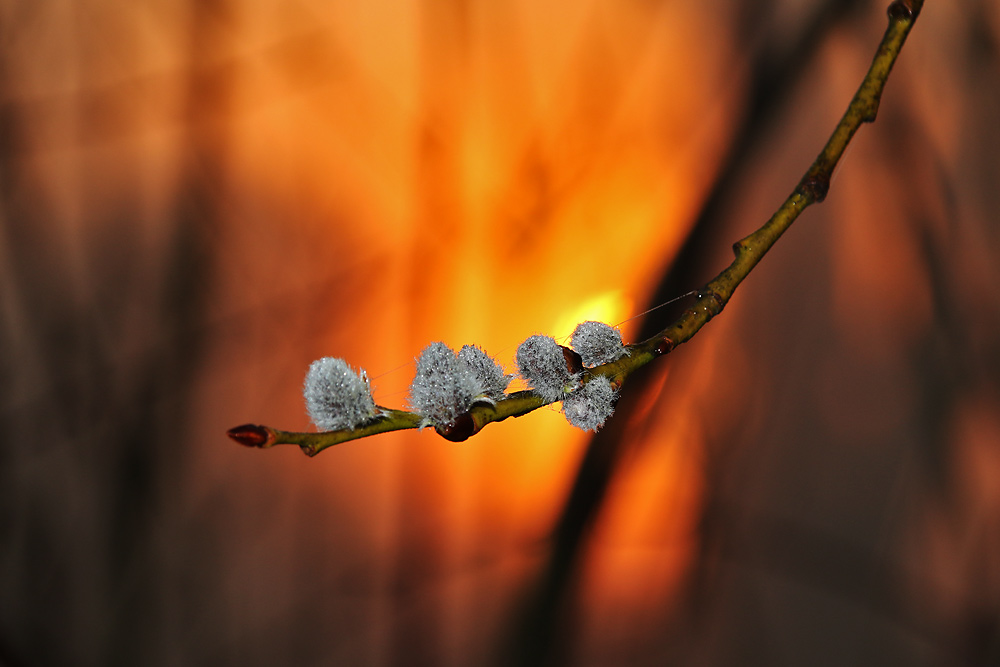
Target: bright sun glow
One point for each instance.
(609, 307)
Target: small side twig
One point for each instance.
(711, 300)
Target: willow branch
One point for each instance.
(811, 189)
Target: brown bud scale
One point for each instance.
(574, 362)
(463, 428)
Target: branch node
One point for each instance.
(815, 186)
(714, 301)
(664, 346)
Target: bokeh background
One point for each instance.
(199, 197)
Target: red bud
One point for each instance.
(250, 435)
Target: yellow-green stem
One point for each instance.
(711, 299)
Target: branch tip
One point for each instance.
(900, 11)
(252, 435)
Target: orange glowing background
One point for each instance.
(200, 198)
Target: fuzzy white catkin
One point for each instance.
(590, 406)
(336, 396)
(489, 374)
(444, 387)
(541, 362)
(597, 343)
